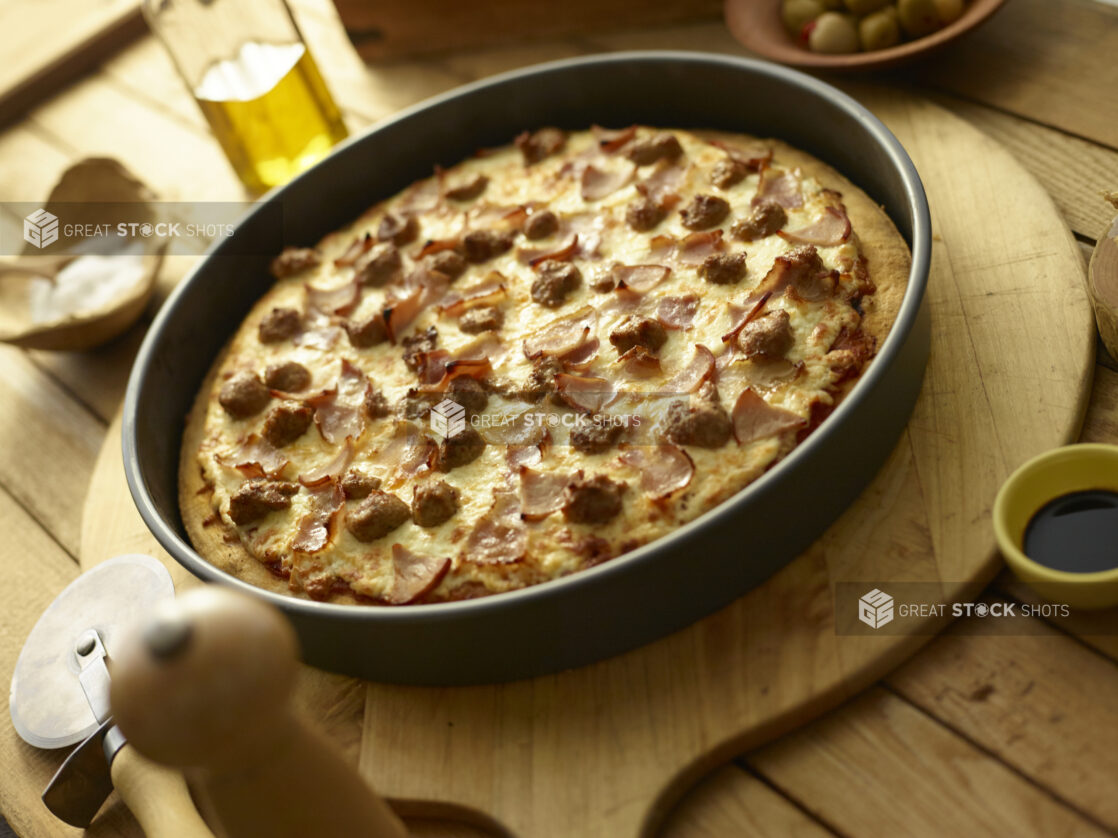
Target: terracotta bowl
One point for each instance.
(757, 24)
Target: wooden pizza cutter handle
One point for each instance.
(157, 796)
(205, 685)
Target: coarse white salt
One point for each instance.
(86, 284)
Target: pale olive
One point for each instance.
(949, 11)
(798, 13)
(864, 7)
(918, 17)
(879, 30)
(833, 34)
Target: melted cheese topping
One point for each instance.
(554, 546)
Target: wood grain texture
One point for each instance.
(41, 415)
(59, 41)
(1030, 699)
(995, 393)
(732, 802)
(909, 776)
(394, 28)
(1041, 60)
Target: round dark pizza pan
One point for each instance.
(653, 590)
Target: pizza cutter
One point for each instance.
(60, 696)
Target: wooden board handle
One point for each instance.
(157, 796)
(1102, 282)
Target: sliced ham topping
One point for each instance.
(490, 291)
(664, 468)
(754, 418)
(516, 433)
(830, 230)
(319, 333)
(639, 278)
(610, 140)
(583, 356)
(438, 246)
(780, 186)
(740, 316)
(475, 368)
(677, 312)
(361, 244)
(754, 156)
(563, 335)
(622, 301)
(523, 456)
(414, 575)
(499, 537)
(585, 392)
(330, 470)
(596, 184)
(487, 345)
(588, 227)
(533, 256)
(431, 366)
(255, 457)
(688, 379)
(661, 248)
(408, 453)
(338, 411)
(341, 299)
(696, 247)
(541, 494)
(399, 313)
(660, 186)
(317, 526)
(638, 362)
(422, 197)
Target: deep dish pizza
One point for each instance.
(533, 362)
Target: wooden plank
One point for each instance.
(52, 42)
(52, 445)
(477, 64)
(394, 28)
(32, 164)
(1030, 699)
(732, 802)
(34, 569)
(881, 767)
(175, 160)
(1073, 171)
(370, 92)
(1051, 61)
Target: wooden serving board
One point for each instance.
(605, 750)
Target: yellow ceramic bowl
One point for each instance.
(1074, 468)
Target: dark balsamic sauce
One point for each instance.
(1077, 532)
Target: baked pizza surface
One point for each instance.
(533, 362)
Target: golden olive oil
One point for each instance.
(271, 112)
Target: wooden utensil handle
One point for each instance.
(300, 785)
(157, 796)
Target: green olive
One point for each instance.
(918, 17)
(833, 5)
(834, 34)
(798, 13)
(879, 30)
(949, 11)
(864, 7)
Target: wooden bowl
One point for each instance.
(757, 24)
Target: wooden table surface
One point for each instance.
(977, 734)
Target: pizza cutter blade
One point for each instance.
(59, 693)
